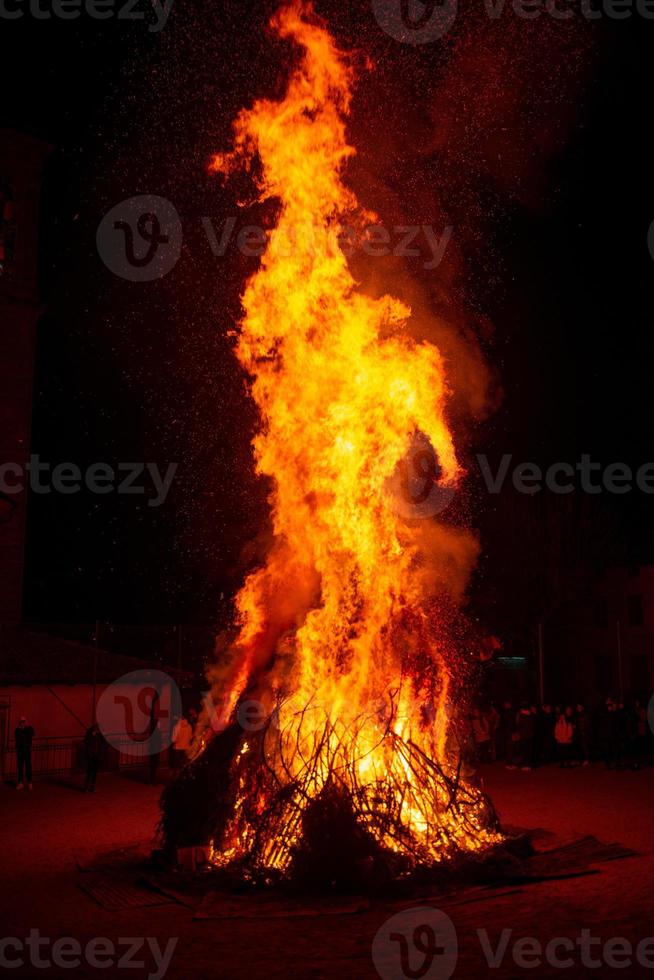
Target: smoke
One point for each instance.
(463, 135)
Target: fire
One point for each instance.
(342, 635)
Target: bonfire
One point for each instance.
(351, 638)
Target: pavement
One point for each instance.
(592, 925)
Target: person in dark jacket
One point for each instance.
(606, 733)
(525, 723)
(610, 723)
(154, 745)
(507, 735)
(640, 712)
(629, 733)
(544, 743)
(584, 734)
(23, 736)
(93, 751)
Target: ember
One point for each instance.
(348, 633)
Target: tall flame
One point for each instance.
(338, 629)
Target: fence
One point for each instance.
(57, 756)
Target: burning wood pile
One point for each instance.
(350, 634)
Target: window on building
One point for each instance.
(602, 612)
(635, 610)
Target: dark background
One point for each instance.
(534, 139)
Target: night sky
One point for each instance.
(530, 138)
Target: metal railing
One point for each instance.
(49, 755)
(59, 756)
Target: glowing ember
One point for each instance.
(346, 631)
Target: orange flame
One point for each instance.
(339, 612)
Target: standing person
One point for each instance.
(493, 725)
(466, 738)
(155, 740)
(641, 729)
(154, 751)
(481, 735)
(564, 733)
(182, 736)
(544, 735)
(630, 727)
(526, 730)
(508, 735)
(583, 734)
(621, 727)
(23, 736)
(607, 733)
(93, 751)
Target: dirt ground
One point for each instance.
(44, 832)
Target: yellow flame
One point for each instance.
(342, 389)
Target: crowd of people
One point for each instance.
(530, 735)
(522, 737)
